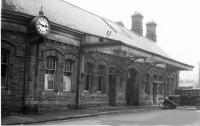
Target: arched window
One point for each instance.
(172, 80)
(5, 53)
(155, 77)
(67, 79)
(100, 74)
(50, 72)
(88, 76)
(160, 78)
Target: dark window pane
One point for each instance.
(51, 63)
(3, 70)
(4, 66)
(87, 82)
(50, 84)
(68, 65)
(99, 83)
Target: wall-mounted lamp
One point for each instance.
(108, 33)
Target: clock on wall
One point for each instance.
(40, 25)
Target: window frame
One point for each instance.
(51, 67)
(88, 73)
(7, 68)
(68, 69)
(100, 76)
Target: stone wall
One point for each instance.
(12, 93)
(15, 37)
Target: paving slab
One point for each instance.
(32, 118)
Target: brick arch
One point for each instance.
(112, 64)
(9, 41)
(52, 51)
(71, 56)
(89, 59)
(9, 45)
(102, 62)
(134, 66)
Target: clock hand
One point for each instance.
(43, 25)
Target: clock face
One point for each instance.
(42, 26)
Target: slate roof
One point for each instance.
(66, 14)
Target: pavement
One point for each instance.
(34, 118)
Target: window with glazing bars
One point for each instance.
(4, 67)
(88, 71)
(100, 77)
(67, 75)
(50, 72)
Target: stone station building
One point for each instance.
(79, 59)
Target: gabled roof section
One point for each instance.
(68, 15)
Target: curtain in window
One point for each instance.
(49, 81)
(67, 83)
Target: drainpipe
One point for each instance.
(81, 49)
(25, 73)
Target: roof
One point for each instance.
(66, 14)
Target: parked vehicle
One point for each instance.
(171, 102)
(197, 104)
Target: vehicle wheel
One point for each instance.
(167, 105)
(197, 106)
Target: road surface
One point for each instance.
(179, 117)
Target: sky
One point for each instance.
(178, 23)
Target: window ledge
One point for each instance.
(49, 89)
(66, 91)
(85, 91)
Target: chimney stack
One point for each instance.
(151, 31)
(137, 23)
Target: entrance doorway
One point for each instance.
(112, 90)
(155, 100)
(112, 86)
(131, 88)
